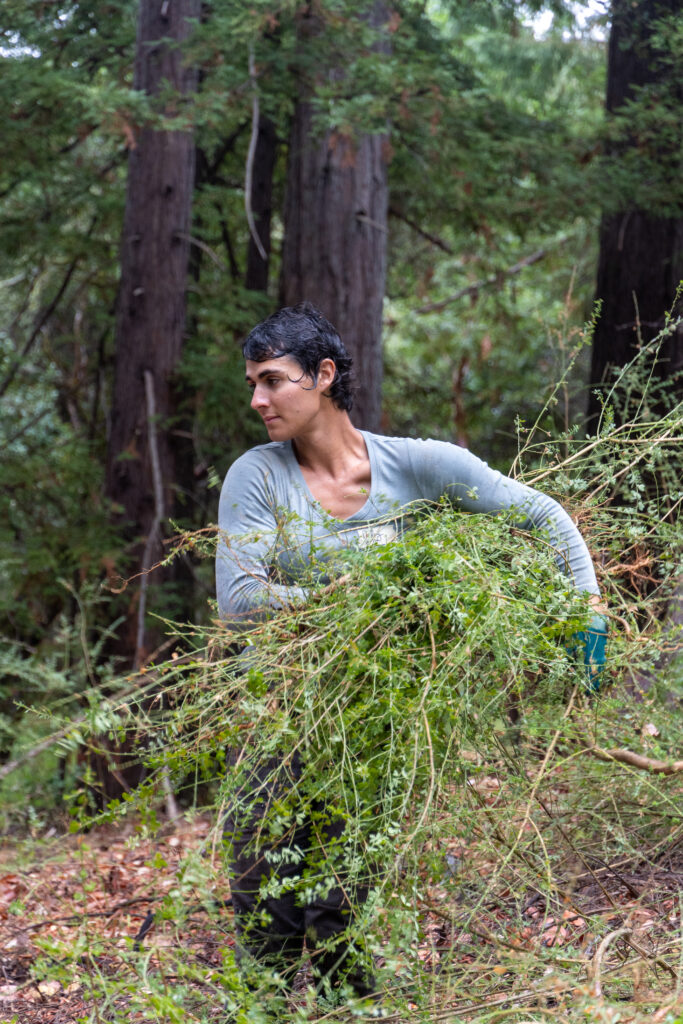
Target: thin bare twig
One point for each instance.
(652, 956)
(472, 289)
(153, 536)
(211, 253)
(434, 239)
(41, 319)
(251, 153)
(9, 766)
(75, 918)
(155, 526)
(26, 426)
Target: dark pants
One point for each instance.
(271, 928)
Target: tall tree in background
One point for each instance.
(334, 249)
(150, 321)
(641, 246)
(640, 264)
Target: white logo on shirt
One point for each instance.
(380, 533)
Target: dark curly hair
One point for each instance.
(303, 333)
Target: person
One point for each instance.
(317, 487)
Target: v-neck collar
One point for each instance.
(359, 513)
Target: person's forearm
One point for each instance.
(250, 601)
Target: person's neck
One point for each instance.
(330, 445)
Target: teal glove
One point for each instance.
(588, 647)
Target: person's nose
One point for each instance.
(259, 399)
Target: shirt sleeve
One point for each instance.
(248, 530)
(443, 469)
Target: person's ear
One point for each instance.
(326, 374)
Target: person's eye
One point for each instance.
(273, 381)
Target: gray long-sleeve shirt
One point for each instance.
(272, 529)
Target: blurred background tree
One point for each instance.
(640, 266)
(142, 471)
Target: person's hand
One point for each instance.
(588, 647)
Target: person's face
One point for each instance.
(285, 399)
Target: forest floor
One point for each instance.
(70, 908)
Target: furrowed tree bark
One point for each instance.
(641, 254)
(334, 250)
(150, 320)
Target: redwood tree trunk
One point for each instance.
(334, 250)
(641, 254)
(150, 319)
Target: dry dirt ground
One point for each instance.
(93, 892)
(71, 907)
